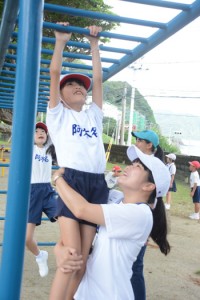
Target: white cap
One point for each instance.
(171, 156)
(159, 171)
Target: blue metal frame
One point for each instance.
(27, 75)
(186, 13)
(33, 96)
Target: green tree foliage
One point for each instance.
(114, 92)
(109, 126)
(83, 22)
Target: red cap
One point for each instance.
(117, 168)
(42, 125)
(195, 164)
(85, 79)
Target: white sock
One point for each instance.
(39, 255)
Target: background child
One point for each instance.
(77, 136)
(171, 157)
(195, 188)
(111, 177)
(42, 196)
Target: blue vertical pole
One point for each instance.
(26, 93)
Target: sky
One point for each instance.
(171, 71)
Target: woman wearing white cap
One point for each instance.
(124, 227)
(171, 157)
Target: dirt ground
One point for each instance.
(174, 277)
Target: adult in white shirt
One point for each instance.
(124, 227)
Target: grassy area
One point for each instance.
(5, 143)
(181, 204)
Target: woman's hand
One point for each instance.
(67, 259)
(58, 173)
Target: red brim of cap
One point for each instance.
(117, 169)
(85, 79)
(41, 125)
(194, 164)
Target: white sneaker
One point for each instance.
(42, 263)
(167, 206)
(194, 216)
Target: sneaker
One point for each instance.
(194, 216)
(42, 263)
(167, 206)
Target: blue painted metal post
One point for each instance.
(26, 92)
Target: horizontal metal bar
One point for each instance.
(165, 4)
(97, 15)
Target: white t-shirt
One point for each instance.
(109, 267)
(194, 178)
(41, 165)
(77, 137)
(172, 168)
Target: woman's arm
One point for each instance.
(78, 205)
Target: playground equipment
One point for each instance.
(24, 88)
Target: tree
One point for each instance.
(91, 5)
(83, 22)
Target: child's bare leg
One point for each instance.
(31, 244)
(196, 207)
(70, 236)
(168, 198)
(87, 236)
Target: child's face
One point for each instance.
(74, 94)
(116, 173)
(40, 137)
(192, 168)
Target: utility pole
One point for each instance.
(135, 68)
(131, 116)
(123, 115)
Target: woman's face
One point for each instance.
(134, 176)
(144, 146)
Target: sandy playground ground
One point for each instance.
(174, 277)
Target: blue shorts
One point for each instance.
(91, 186)
(43, 198)
(196, 197)
(173, 188)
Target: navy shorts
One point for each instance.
(196, 197)
(173, 188)
(92, 187)
(43, 198)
